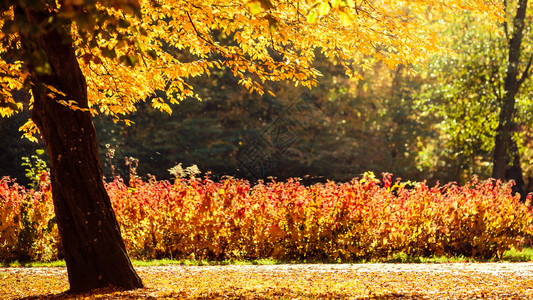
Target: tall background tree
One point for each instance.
(483, 93)
(80, 58)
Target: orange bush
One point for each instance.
(27, 226)
(363, 218)
(203, 219)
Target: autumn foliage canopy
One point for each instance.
(76, 58)
(129, 50)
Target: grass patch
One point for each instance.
(194, 262)
(404, 258)
(35, 264)
(513, 255)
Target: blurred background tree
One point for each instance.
(481, 99)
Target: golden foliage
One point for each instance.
(128, 50)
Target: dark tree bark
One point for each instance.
(506, 157)
(93, 247)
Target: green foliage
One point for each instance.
(463, 94)
(36, 169)
(13, 147)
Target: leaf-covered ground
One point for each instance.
(339, 281)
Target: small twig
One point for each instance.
(505, 25)
(526, 73)
(198, 33)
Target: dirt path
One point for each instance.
(338, 281)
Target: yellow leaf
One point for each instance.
(254, 7)
(323, 8)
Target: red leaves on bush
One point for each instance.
(27, 227)
(364, 218)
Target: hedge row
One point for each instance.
(203, 219)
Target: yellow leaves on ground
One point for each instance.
(373, 281)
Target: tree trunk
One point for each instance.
(93, 247)
(506, 160)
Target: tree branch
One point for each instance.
(505, 25)
(526, 73)
(198, 33)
